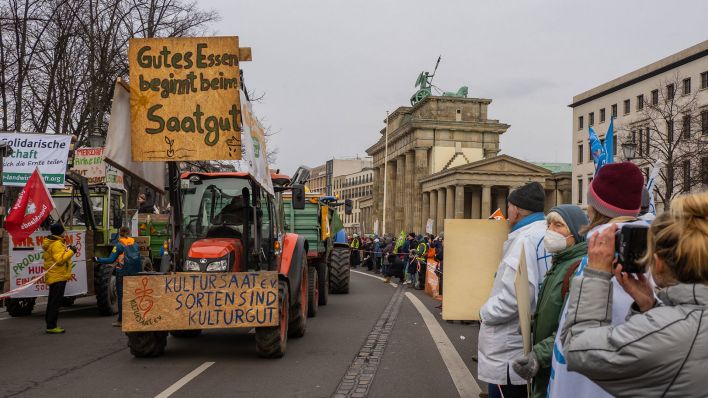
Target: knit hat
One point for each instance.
(529, 197)
(616, 190)
(574, 217)
(56, 229)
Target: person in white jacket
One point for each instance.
(500, 339)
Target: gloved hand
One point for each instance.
(72, 248)
(526, 366)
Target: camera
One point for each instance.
(631, 246)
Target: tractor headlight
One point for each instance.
(220, 265)
(190, 265)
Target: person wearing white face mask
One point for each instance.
(568, 246)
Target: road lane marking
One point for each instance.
(461, 375)
(186, 379)
(360, 374)
(374, 276)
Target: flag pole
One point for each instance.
(385, 179)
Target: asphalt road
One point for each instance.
(374, 338)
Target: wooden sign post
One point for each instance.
(184, 98)
(189, 300)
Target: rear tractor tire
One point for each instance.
(298, 325)
(313, 292)
(272, 341)
(19, 306)
(186, 334)
(339, 271)
(323, 281)
(104, 282)
(147, 344)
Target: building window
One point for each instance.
(589, 153)
(704, 170)
(591, 119)
(602, 115)
(654, 97)
(670, 91)
(614, 110)
(626, 107)
(704, 80)
(687, 86)
(670, 130)
(640, 102)
(640, 144)
(687, 127)
(580, 153)
(686, 175)
(648, 140)
(580, 122)
(580, 191)
(614, 144)
(704, 122)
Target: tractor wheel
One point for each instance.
(339, 271)
(186, 334)
(104, 283)
(272, 341)
(313, 292)
(147, 265)
(298, 325)
(323, 281)
(20, 306)
(147, 344)
(68, 301)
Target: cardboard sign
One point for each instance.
(26, 262)
(473, 250)
(143, 245)
(88, 162)
(184, 99)
(49, 152)
(429, 226)
(523, 296)
(195, 300)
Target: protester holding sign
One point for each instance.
(568, 246)
(57, 262)
(662, 348)
(500, 340)
(126, 255)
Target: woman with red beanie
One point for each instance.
(614, 197)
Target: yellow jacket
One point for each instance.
(55, 251)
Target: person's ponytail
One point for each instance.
(690, 230)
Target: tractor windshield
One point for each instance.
(215, 202)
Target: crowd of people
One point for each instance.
(405, 257)
(597, 329)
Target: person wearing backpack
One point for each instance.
(126, 255)
(567, 243)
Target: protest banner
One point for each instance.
(143, 245)
(26, 262)
(429, 226)
(192, 300)
(48, 152)
(184, 99)
(473, 250)
(89, 162)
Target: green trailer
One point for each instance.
(320, 224)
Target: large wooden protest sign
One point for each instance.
(192, 300)
(184, 98)
(473, 250)
(523, 299)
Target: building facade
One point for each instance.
(355, 186)
(662, 109)
(322, 177)
(441, 162)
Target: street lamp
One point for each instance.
(629, 149)
(96, 139)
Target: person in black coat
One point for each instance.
(395, 268)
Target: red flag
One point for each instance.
(31, 209)
(497, 215)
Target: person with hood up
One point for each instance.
(126, 255)
(57, 262)
(500, 338)
(568, 246)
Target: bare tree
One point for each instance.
(669, 128)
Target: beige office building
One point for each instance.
(636, 100)
(355, 187)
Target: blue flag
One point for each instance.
(599, 156)
(609, 142)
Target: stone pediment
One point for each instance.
(503, 164)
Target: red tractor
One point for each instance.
(227, 222)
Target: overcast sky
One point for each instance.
(330, 69)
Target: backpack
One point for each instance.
(132, 262)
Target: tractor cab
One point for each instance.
(229, 223)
